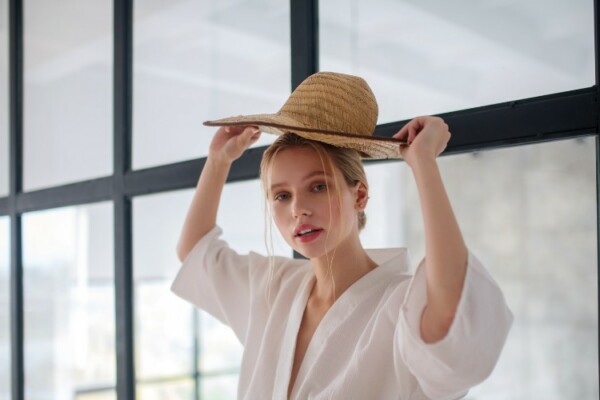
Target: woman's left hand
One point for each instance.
(427, 138)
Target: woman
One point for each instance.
(349, 323)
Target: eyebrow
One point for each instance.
(307, 177)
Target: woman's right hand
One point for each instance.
(227, 145)
(230, 142)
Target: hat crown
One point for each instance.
(334, 102)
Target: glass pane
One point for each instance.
(219, 387)
(220, 350)
(97, 394)
(180, 390)
(242, 217)
(68, 91)
(5, 308)
(164, 341)
(4, 92)
(529, 213)
(69, 301)
(164, 324)
(430, 56)
(201, 60)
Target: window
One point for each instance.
(69, 303)
(164, 334)
(428, 56)
(528, 214)
(5, 344)
(4, 93)
(67, 91)
(203, 60)
(174, 342)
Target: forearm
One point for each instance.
(202, 214)
(445, 252)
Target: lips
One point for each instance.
(306, 230)
(303, 229)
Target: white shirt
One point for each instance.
(367, 346)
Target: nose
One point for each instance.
(300, 207)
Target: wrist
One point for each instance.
(423, 163)
(216, 162)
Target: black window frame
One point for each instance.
(556, 116)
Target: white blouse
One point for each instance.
(367, 346)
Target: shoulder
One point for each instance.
(275, 271)
(394, 259)
(392, 276)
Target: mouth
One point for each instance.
(306, 232)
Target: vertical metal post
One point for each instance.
(197, 348)
(597, 46)
(122, 97)
(16, 309)
(15, 34)
(598, 238)
(304, 30)
(597, 64)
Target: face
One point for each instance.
(305, 206)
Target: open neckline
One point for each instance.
(343, 306)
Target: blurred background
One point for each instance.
(528, 211)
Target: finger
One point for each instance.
(412, 134)
(414, 125)
(235, 130)
(254, 137)
(250, 130)
(419, 125)
(401, 133)
(403, 149)
(249, 136)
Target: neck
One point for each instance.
(338, 270)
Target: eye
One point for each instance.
(319, 187)
(281, 196)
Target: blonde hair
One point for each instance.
(347, 161)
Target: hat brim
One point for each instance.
(371, 147)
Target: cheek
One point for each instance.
(336, 212)
(330, 207)
(348, 214)
(278, 215)
(323, 206)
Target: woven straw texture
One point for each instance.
(329, 107)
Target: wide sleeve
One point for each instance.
(468, 353)
(215, 278)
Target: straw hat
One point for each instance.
(328, 107)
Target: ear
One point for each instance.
(361, 196)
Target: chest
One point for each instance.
(310, 321)
(322, 351)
